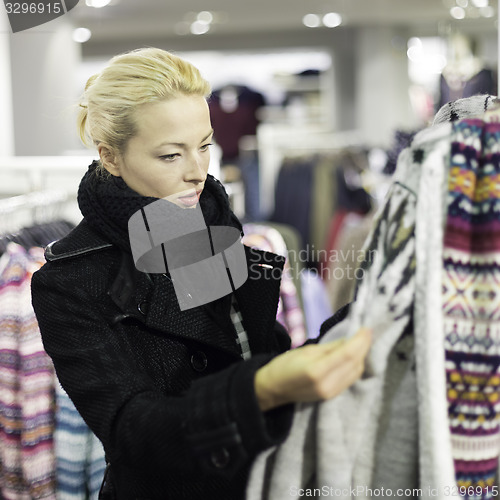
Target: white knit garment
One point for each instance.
(331, 446)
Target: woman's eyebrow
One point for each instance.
(181, 144)
(208, 135)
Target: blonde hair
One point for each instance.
(107, 107)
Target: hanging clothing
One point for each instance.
(41, 455)
(233, 113)
(348, 422)
(471, 303)
(38, 235)
(27, 412)
(456, 110)
(431, 272)
(483, 82)
(401, 140)
(290, 313)
(293, 244)
(292, 199)
(311, 190)
(347, 195)
(250, 175)
(345, 256)
(324, 199)
(317, 307)
(351, 195)
(80, 455)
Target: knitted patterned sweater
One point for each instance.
(27, 413)
(432, 267)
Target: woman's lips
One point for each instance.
(191, 199)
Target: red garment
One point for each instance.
(231, 125)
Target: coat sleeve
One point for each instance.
(215, 426)
(283, 340)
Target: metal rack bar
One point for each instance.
(32, 200)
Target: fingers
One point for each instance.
(342, 376)
(361, 341)
(350, 352)
(345, 365)
(350, 366)
(312, 372)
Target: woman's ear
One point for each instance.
(110, 160)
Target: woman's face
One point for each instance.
(169, 155)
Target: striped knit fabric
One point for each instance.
(27, 461)
(80, 455)
(471, 305)
(241, 333)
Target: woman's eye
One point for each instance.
(171, 157)
(206, 146)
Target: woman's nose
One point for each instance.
(197, 170)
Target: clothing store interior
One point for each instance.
(312, 103)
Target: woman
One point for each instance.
(180, 413)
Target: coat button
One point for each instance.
(199, 361)
(142, 307)
(220, 458)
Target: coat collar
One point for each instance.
(151, 298)
(81, 240)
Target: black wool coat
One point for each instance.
(166, 391)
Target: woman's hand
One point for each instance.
(313, 372)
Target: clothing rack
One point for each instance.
(25, 174)
(28, 209)
(277, 141)
(23, 179)
(32, 200)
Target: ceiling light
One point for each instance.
(415, 53)
(205, 17)
(414, 41)
(81, 35)
(97, 4)
(415, 49)
(457, 12)
(332, 20)
(199, 28)
(311, 20)
(462, 3)
(480, 3)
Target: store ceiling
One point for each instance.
(133, 20)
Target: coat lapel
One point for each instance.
(194, 324)
(258, 297)
(152, 300)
